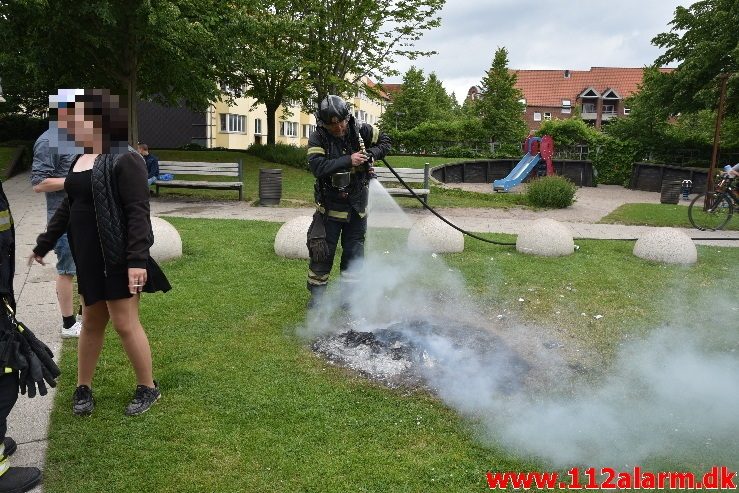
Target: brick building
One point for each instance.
(597, 94)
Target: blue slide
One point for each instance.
(517, 174)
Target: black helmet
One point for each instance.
(332, 109)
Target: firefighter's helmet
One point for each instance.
(332, 109)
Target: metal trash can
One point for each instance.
(670, 192)
(270, 186)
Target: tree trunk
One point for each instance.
(271, 121)
(133, 110)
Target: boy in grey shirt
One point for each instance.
(48, 172)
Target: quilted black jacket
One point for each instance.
(121, 198)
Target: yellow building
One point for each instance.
(241, 124)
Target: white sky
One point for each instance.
(543, 34)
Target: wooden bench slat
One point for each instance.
(199, 184)
(408, 175)
(199, 168)
(198, 172)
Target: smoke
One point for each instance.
(672, 395)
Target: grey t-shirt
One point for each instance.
(48, 163)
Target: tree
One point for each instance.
(273, 68)
(170, 51)
(354, 39)
(500, 109)
(705, 41)
(410, 106)
(442, 106)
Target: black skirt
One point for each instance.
(94, 283)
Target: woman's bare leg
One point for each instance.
(125, 317)
(94, 319)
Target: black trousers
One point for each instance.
(8, 396)
(352, 235)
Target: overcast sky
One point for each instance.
(543, 34)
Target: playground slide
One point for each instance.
(517, 174)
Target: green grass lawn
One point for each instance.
(297, 184)
(5, 154)
(420, 161)
(675, 215)
(247, 407)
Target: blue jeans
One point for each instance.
(65, 262)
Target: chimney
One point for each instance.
(567, 74)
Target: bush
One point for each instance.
(288, 155)
(553, 192)
(21, 127)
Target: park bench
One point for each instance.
(409, 175)
(212, 170)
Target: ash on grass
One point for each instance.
(415, 353)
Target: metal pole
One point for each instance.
(724, 78)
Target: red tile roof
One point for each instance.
(550, 87)
(391, 89)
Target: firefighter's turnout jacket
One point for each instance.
(328, 155)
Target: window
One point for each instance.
(627, 110)
(257, 126)
(566, 111)
(547, 116)
(233, 123)
(289, 129)
(307, 130)
(537, 116)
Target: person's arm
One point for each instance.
(54, 230)
(133, 191)
(154, 171)
(377, 143)
(319, 163)
(42, 169)
(49, 185)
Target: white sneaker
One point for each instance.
(73, 331)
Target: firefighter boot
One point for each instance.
(317, 292)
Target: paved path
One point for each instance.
(35, 291)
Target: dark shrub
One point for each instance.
(282, 154)
(553, 192)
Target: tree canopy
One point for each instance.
(172, 51)
(362, 38)
(704, 40)
(499, 107)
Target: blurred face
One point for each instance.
(337, 129)
(143, 151)
(84, 128)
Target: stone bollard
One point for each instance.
(546, 237)
(167, 242)
(290, 241)
(667, 245)
(431, 234)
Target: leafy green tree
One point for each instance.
(442, 106)
(704, 40)
(410, 106)
(358, 38)
(272, 68)
(500, 109)
(168, 51)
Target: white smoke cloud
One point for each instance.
(673, 394)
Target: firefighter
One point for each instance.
(340, 155)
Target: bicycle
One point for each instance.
(713, 211)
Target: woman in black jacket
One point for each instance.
(106, 213)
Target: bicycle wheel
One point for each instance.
(716, 213)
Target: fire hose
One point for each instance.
(431, 209)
